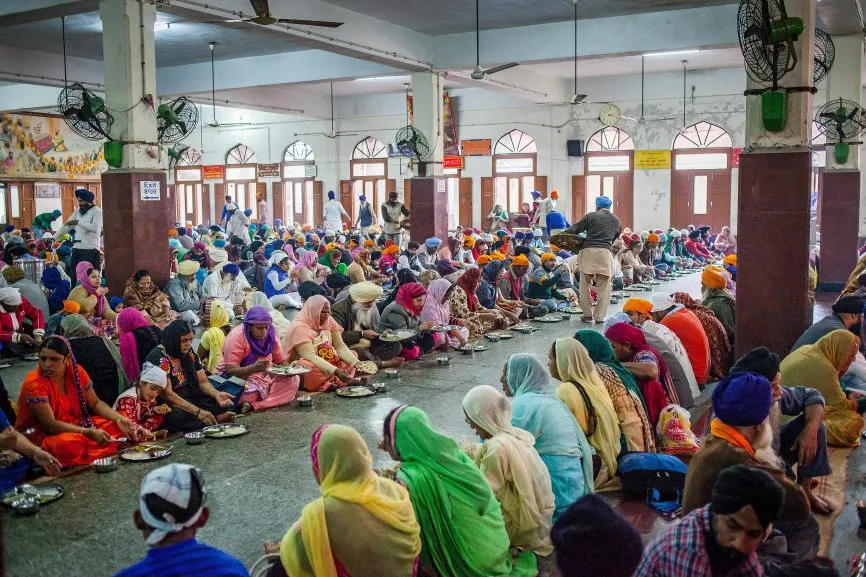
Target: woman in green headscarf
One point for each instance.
(623, 389)
(98, 356)
(331, 259)
(462, 529)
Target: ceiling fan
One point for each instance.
(577, 98)
(644, 119)
(263, 18)
(334, 134)
(479, 73)
(213, 123)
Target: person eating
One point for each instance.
(90, 296)
(358, 315)
(404, 314)
(22, 326)
(140, 404)
(229, 286)
(145, 296)
(184, 293)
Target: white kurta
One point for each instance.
(239, 226)
(333, 215)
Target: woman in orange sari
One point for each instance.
(60, 412)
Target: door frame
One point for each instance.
(623, 210)
(713, 217)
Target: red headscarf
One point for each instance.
(469, 281)
(406, 293)
(632, 335)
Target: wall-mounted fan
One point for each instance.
(175, 153)
(767, 38)
(842, 120)
(825, 55)
(263, 17)
(84, 112)
(410, 141)
(480, 73)
(176, 119)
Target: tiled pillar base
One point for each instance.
(136, 230)
(773, 306)
(429, 210)
(840, 222)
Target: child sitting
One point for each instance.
(139, 403)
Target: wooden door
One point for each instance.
(487, 197)
(578, 198)
(540, 186)
(28, 203)
(465, 204)
(681, 205)
(279, 210)
(407, 193)
(261, 189)
(720, 199)
(318, 204)
(346, 198)
(624, 202)
(219, 202)
(617, 180)
(701, 196)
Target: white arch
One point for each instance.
(241, 154)
(515, 142)
(610, 138)
(703, 135)
(369, 148)
(299, 151)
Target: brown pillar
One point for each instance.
(429, 212)
(840, 223)
(773, 306)
(136, 230)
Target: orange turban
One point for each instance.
(391, 249)
(496, 255)
(652, 237)
(731, 259)
(468, 242)
(713, 278)
(172, 232)
(638, 306)
(548, 256)
(483, 260)
(520, 260)
(554, 194)
(369, 242)
(71, 307)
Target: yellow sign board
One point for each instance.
(652, 159)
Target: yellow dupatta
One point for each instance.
(818, 366)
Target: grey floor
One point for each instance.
(259, 483)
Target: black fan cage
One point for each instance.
(843, 119)
(825, 55)
(410, 139)
(765, 61)
(84, 112)
(187, 116)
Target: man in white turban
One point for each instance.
(22, 326)
(184, 292)
(358, 315)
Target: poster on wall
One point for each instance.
(449, 133)
(652, 159)
(37, 146)
(47, 190)
(213, 172)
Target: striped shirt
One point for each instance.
(187, 558)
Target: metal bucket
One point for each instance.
(32, 268)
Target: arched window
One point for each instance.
(515, 142)
(608, 139)
(703, 135)
(299, 170)
(369, 148)
(241, 154)
(189, 157)
(299, 152)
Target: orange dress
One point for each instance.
(686, 325)
(68, 448)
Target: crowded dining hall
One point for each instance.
(347, 289)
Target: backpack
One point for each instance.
(657, 477)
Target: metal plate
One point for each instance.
(46, 493)
(398, 335)
(501, 335)
(572, 311)
(289, 370)
(354, 392)
(548, 319)
(654, 283)
(444, 328)
(146, 452)
(225, 431)
(367, 367)
(525, 329)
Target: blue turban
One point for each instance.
(114, 301)
(603, 202)
(519, 235)
(743, 399)
(232, 268)
(433, 242)
(363, 198)
(563, 254)
(56, 213)
(174, 243)
(85, 195)
(331, 195)
(248, 211)
(278, 222)
(181, 231)
(536, 195)
(219, 243)
(9, 228)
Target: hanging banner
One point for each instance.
(269, 170)
(652, 159)
(449, 132)
(213, 172)
(477, 147)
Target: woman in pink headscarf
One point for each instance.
(128, 320)
(90, 296)
(437, 311)
(309, 269)
(315, 340)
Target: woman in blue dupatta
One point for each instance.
(558, 438)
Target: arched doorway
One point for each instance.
(302, 194)
(188, 186)
(369, 176)
(608, 170)
(241, 177)
(701, 177)
(515, 167)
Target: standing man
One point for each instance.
(224, 219)
(595, 259)
(43, 221)
(394, 213)
(237, 224)
(544, 208)
(87, 224)
(334, 214)
(366, 215)
(263, 216)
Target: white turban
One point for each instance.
(10, 296)
(277, 257)
(661, 302)
(217, 255)
(365, 292)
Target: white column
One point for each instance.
(427, 115)
(845, 81)
(130, 73)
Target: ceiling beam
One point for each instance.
(14, 12)
(44, 68)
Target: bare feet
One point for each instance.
(393, 363)
(226, 417)
(818, 504)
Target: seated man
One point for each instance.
(358, 316)
(802, 441)
(22, 326)
(686, 325)
(184, 293)
(723, 536)
(717, 298)
(741, 434)
(511, 284)
(696, 248)
(171, 511)
(543, 283)
(847, 315)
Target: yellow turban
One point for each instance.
(172, 232)
(637, 306)
(483, 260)
(188, 267)
(365, 292)
(469, 242)
(496, 255)
(548, 256)
(713, 278)
(520, 260)
(731, 259)
(332, 246)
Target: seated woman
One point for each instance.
(98, 356)
(645, 363)
(200, 255)
(726, 243)
(362, 525)
(137, 338)
(388, 262)
(360, 269)
(60, 412)
(624, 392)
(57, 288)
(248, 352)
(90, 296)
(586, 397)
(22, 326)
(512, 466)
(140, 403)
(403, 276)
(210, 346)
(818, 366)
(437, 311)
(465, 306)
(404, 313)
(462, 529)
(309, 270)
(315, 340)
(721, 351)
(490, 296)
(558, 438)
(194, 401)
(278, 287)
(14, 467)
(145, 296)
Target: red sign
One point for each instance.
(735, 157)
(479, 147)
(453, 162)
(213, 172)
(269, 170)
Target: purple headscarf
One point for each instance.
(264, 347)
(444, 268)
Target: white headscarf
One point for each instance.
(10, 296)
(277, 257)
(172, 483)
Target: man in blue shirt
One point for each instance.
(171, 511)
(224, 219)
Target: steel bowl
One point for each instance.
(443, 360)
(494, 338)
(379, 387)
(26, 506)
(392, 373)
(194, 438)
(305, 401)
(105, 465)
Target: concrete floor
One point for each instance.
(259, 483)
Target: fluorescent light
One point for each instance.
(381, 78)
(672, 53)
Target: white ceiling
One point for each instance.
(381, 85)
